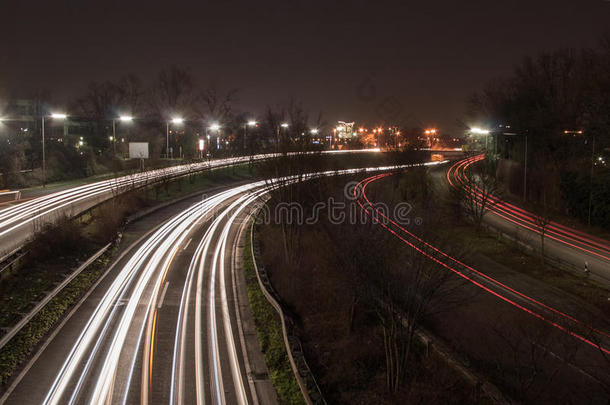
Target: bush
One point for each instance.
(65, 236)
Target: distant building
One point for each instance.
(345, 130)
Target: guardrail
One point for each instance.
(305, 378)
(10, 195)
(522, 241)
(28, 317)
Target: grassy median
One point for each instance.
(269, 331)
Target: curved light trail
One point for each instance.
(572, 238)
(593, 337)
(114, 357)
(17, 221)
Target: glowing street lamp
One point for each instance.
(250, 123)
(481, 131)
(57, 116)
(175, 121)
(122, 118)
(216, 127)
(314, 131)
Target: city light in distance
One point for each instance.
(125, 118)
(479, 131)
(58, 116)
(215, 127)
(284, 125)
(252, 123)
(314, 131)
(177, 120)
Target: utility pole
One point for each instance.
(44, 174)
(114, 137)
(167, 140)
(525, 172)
(591, 180)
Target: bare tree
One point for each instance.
(542, 219)
(403, 297)
(481, 190)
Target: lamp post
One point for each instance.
(480, 131)
(282, 125)
(591, 179)
(175, 121)
(246, 125)
(525, 171)
(122, 118)
(44, 161)
(216, 127)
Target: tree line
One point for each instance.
(558, 102)
(90, 148)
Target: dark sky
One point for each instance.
(354, 60)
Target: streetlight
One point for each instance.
(524, 160)
(314, 131)
(246, 125)
(580, 132)
(282, 125)
(122, 118)
(56, 116)
(175, 121)
(216, 127)
(480, 131)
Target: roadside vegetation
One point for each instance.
(360, 300)
(556, 101)
(269, 331)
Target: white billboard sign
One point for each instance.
(138, 150)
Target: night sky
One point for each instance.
(354, 60)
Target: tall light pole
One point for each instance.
(44, 161)
(175, 121)
(591, 179)
(246, 125)
(525, 171)
(282, 125)
(216, 127)
(480, 131)
(122, 118)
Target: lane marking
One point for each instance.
(163, 296)
(187, 244)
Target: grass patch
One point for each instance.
(269, 331)
(515, 257)
(19, 348)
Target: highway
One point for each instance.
(162, 324)
(594, 341)
(18, 222)
(562, 242)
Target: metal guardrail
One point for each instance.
(16, 195)
(305, 378)
(28, 317)
(554, 260)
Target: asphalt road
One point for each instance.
(163, 324)
(18, 222)
(560, 242)
(587, 359)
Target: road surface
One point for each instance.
(18, 222)
(162, 325)
(590, 359)
(561, 242)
